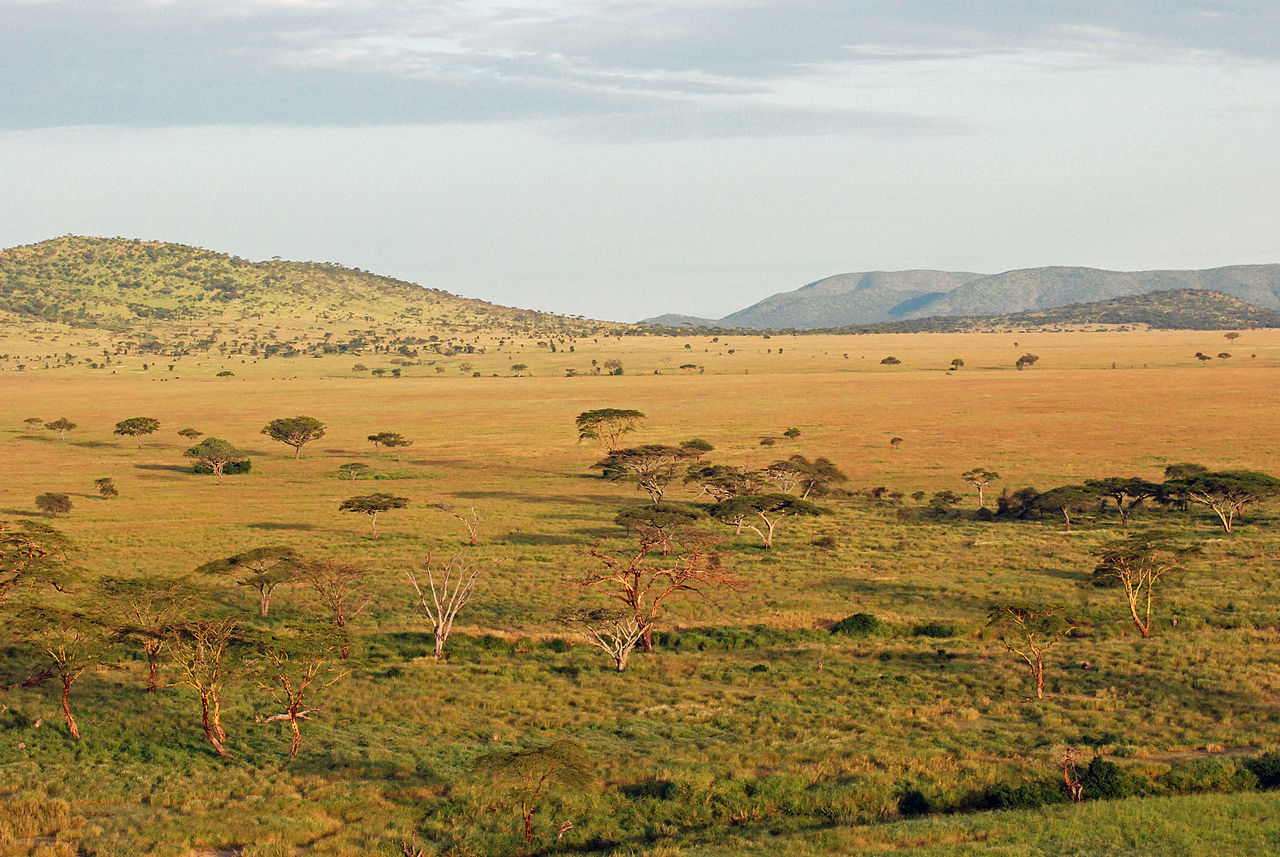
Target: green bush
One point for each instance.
(1023, 796)
(1208, 775)
(857, 625)
(1266, 768)
(913, 803)
(229, 469)
(935, 629)
(1103, 780)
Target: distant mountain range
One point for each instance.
(853, 300)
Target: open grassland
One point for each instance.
(752, 729)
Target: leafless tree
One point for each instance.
(341, 588)
(294, 670)
(471, 521)
(448, 595)
(616, 632)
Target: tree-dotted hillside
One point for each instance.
(121, 284)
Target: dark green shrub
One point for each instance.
(229, 469)
(985, 514)
(650, 789)
(1266, 768)
(857, 625)
(556, 645)
(1024, 796)
(824, 542)
(1103, 780)
(913, 802)
(935, 629)
(1208, 775)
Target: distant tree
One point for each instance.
(137, 427)
(62, 426)
(1136, 565)
(615, 632)
(456, 584)
(1224, 356)
(957, 364)
(1029, 631)
(608, 425)
(614, 366)
(980, 478)
(895, 442)
(295, 669)
(33, 422)
(769, 508)
(53, 504)
(792, 433)
(798, 475)
(1202, 357)
(342, 590)
(696, 444)
(215, 454)
(1026, 361)
(353, 470)
(106, 487)
(1065, 500)
(720, 481)
(525, 775)
(31, 552)
(643, 584)
(651, 467)
(890, 361)
(519, 369)
(390, 440)
(1231, 335)
(943, 503)
(373, 505)
(294, 431)
(264, 569)
(201, 649)
(1226, 492)
(1128, 492)
(190, 433)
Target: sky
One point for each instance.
(624, 158)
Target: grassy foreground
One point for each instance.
(752, 729)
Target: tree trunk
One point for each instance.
(66, 710)
(646, 640)
(1038, 672)
(374, 519)
(297, 735)
(212, 728)
(439, 645)
(264, 601)
(527, 815)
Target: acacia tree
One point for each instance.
(137, 427)
(106, 487)
(31, 552)
(268, 568)
(608, 425)
(798, 475)
(661, 522)
(294, 431)
(980, 478)
(147, 610)
(190, 433)
(1135, 565)
(469, 519)
(448, 596)
(524, 775)
(1128, 492)
(53, 504)
(200, 650)
(69, 644)
(614, 631)
(651, 467)
(1029, 631)
(373, 505)
(294, 670)
(215, 453)
(342, 590)
(390, 440)
(1226, 492)
(62, 426)
(721, 481)
(1064, 500)
(769, 508)
(643, 584)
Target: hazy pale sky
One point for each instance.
(625, 158)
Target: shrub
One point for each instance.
(913, 803)
(935, 629)
(244, 465)
(1103, 780)
(1266, 768)
(1024, 796)
(824, 542)
(857, 625)
(1208, 775)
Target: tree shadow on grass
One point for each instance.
(275, 525)
(95, 444)
(518, 538)
(168, 468)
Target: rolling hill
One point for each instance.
(849, 300)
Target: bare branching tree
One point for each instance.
(449, 594)
(1029, 631)
(293, 671)
(470, 519)
(200, 650)
(341, 587)
(615, 632)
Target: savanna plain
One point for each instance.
(841, 692)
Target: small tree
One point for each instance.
(1136, 566)
(341, 588)
(106, 487)
(662, 523)
(957, 364)
(200, 651)
(771, 509)
(137, 427)
(373, 505)
(390, 440)
(1128, 492)
(980, 478)
(266, 570)
(62, 426)
(469, 519)
(53, 504)
(615, 632)
(70, 644)
(1065, 500)
(608, 425)
(215, 454)
(33, 423)
(1029, 631)
(146, 610)
(1026, 361)
(449, 595)
(525, 775)
(294, 431)
(294, 670)
(651, 467)
(190, 433)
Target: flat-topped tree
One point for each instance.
(215, 454)
(1226, 492)
(53, 503)
(373, 505)
(265, 569)
(31, 552)
(295, 669)
(390, 440)
(342, 588)
(771, 509)
(721, 481)
(1135, 565)
(608, 425)
(69, 644)
(62, 426)
(137, 427)
(1128, 492)
(294, 431)
(146, 610)
(800, 476)
(661, 523)
(1065, 500)
(980, 478)
(651, 467)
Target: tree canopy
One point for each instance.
(608, 425)
(295, 431)
(137, 427)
